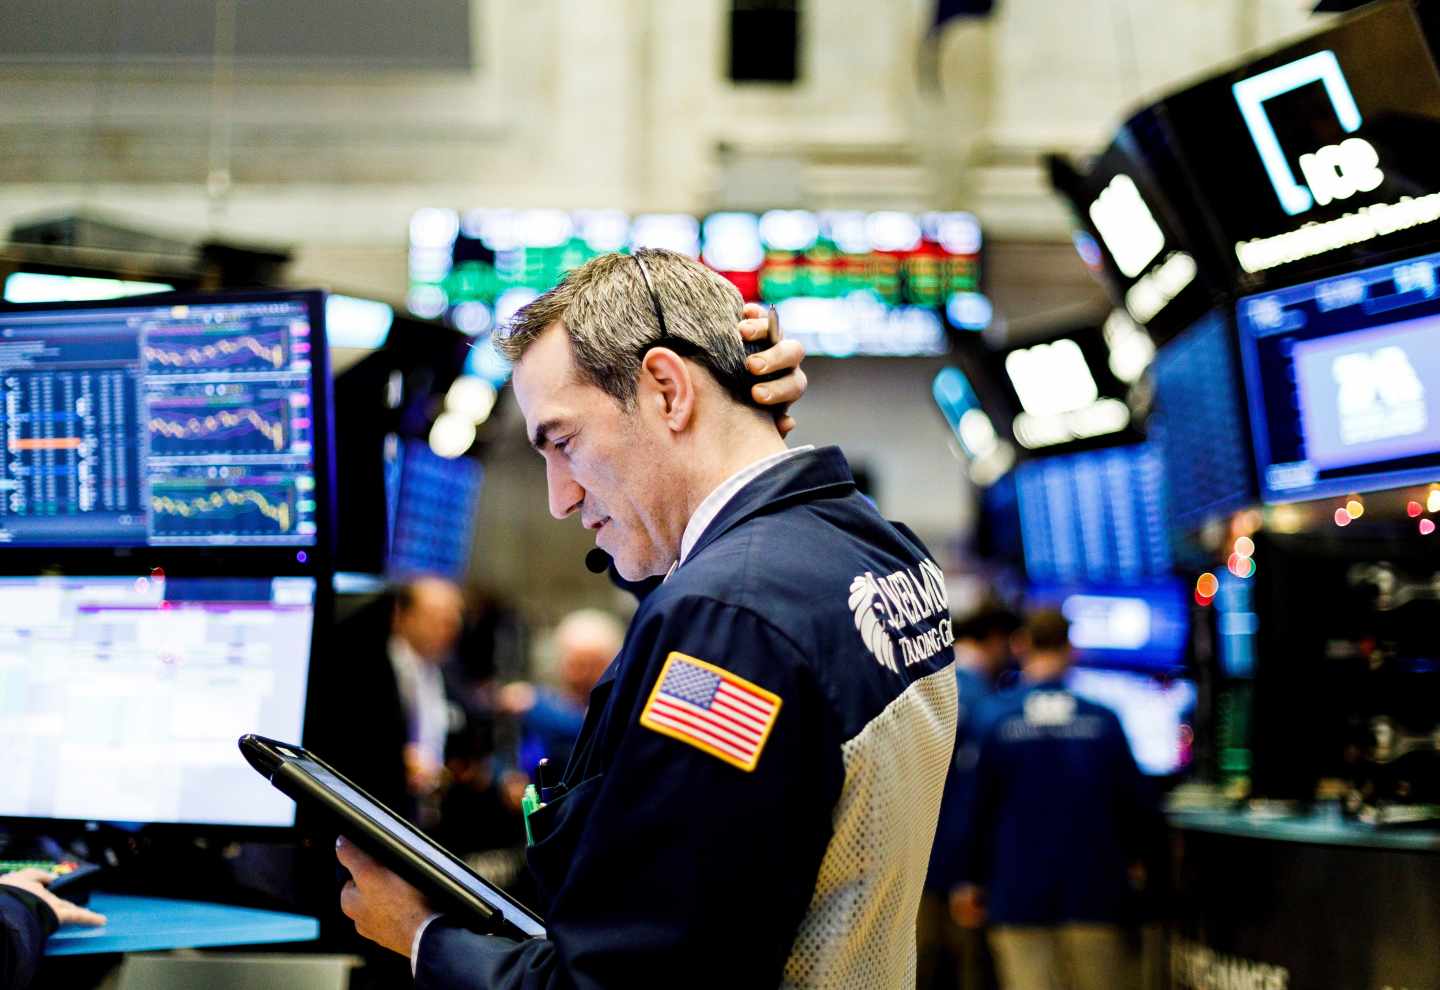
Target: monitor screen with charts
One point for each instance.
(121, 697)
(162, 423)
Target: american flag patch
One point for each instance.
(711, 709)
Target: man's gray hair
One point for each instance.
(608, 315)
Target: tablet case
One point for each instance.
(446, 881)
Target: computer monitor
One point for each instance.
(121, 698)
(1344, 381)
(1155, 713)
(1135, 627)
(1198, 422)
(177, 421)
(433, 512)
(1097, 516)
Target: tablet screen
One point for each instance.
(432, 853)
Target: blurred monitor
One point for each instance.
(433, 511)
(1136, 627)
(1156, 714)
(1343, 376)
(193, 422)
(121, 698)
(1198, 422)
(1095, 517)
(846, 282)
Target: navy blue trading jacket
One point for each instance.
(1060, 809)
(787, 845)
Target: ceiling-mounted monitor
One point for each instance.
(1343, 376)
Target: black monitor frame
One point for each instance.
(208, 561)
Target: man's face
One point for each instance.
(601, 461)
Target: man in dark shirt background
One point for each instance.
(1061, 813)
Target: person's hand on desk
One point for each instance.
(783, 356)
(385, 909)
(34, 882)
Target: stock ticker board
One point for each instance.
(845, 282)
(160, 425)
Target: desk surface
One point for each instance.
(144, 924)
(1317, 829)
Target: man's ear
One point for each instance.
(667, 384)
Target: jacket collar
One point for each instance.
(820, 473)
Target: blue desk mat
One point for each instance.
(145, 924)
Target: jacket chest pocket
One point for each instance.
(557, 828)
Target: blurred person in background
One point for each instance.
(399, 711)
(30, 914)
(551, 717)
(952, 949)
(1060, 815)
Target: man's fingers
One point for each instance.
(785, 424)
(350, 899)
(753, 311)
(782, 391)
(30, 875)
(784, 356)
(73, 914)
(353, 858)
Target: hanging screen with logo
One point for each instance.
(1320, 156)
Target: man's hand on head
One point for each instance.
(385, 909)
(34, 882)
(784, 356)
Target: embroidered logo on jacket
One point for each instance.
(711, 709)
(914, 602)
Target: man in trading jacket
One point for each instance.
(753, 796)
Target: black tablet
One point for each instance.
(447, 882)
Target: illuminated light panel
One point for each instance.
(970, 310)
(432, 227)
(37, 287)
(1127, 226)
(732, 242)
(351, 322)
(1432, 501)
(452, 435)
(788, 230)
(1427, 526)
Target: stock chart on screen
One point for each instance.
(168, 425)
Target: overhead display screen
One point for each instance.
(1344, 375)
(170, 425)
(1129, 235)
(1321, 155)
(1094, 517)
(1139, 627)
(1198, 421)
(845, 282)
